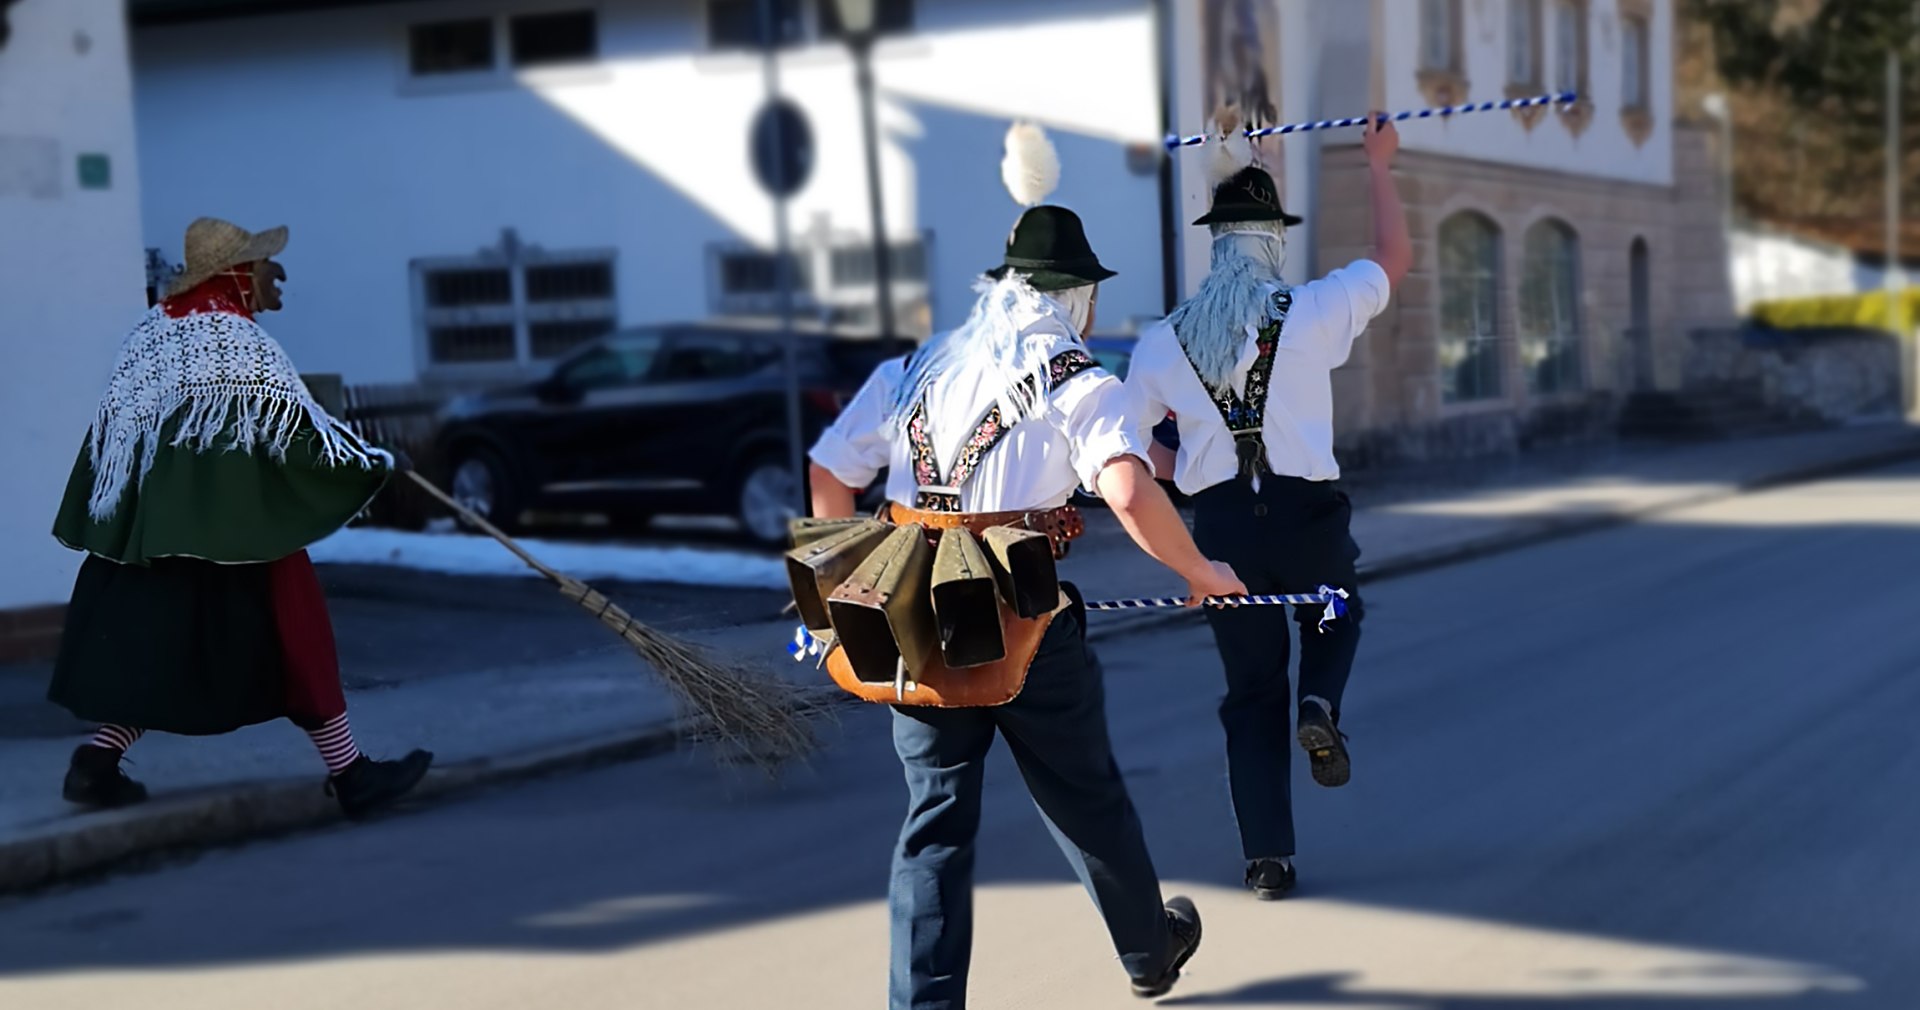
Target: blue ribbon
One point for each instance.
(1336, 606)
(805, 643)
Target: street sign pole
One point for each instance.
(796, 450)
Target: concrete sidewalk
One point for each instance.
(517, 719)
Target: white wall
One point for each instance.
(645, 152)
(1604, 149)
(71, 275)
(1768, 265)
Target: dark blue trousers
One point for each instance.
(1057, 731)
(1290, 537)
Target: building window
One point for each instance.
(1441, 75)
(515, 307)
(890, 17)
(541, 40)
(1523, 44)
(1570, 62)
(1633, 64)
(1569, 55)
(1550, 309)
(1470, 360)
(451, 47)
(1437, 38)
(735, 24)
(853, 265)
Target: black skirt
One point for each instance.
(180, 646)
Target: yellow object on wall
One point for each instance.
(1868, 310)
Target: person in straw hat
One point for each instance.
(1014, 411)
(1243, 366)
(208, 470)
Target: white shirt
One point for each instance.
(1036, 466)
(1326, 316)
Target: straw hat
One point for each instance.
(214, 245)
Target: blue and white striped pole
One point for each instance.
(1175, 142)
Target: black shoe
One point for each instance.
(1270, 879)
(94, 779)
(1183, 921)
(367, 785)
(1326, 746)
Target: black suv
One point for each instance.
(685, 420)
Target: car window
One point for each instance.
(620, 361)
(696, 357)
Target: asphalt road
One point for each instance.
(1672, 765)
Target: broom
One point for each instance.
(759, 716)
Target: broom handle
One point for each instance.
(476, 519)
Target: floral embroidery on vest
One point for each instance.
(1246, 417)
(934, 496)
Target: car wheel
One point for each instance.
(482, 482)
(764, 504)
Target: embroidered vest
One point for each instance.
(1246, 416)
(937, 495)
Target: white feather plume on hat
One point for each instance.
(1031, 168)
(1232, 150)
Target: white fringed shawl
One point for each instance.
(218, 372)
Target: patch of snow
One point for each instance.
(455, 553)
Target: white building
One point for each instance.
(475, 186)
(472, 187)
(70, 279)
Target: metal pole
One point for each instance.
(862, 45)
(1894, 273)
(783, 272)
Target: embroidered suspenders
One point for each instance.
(1246, 417)
(935, 495)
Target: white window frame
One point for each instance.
(519, 312)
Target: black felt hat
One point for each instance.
(1247, 195)
(1049, 247)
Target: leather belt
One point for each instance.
(1061, 525)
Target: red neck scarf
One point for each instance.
(227, 292)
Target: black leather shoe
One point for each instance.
(1270, 879)
(1183, 921)
(1326, 746)
(368, 785)
(94, 779)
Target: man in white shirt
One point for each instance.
(999, 421)
(1244, 367)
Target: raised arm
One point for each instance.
(1392, 246)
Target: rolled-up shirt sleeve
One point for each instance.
(858, 444)
(1101, 420)
(1330, 313)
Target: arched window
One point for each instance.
(1470, 364)
(1550, 309)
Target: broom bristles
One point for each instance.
(761, 717)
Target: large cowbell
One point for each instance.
(882, 613)
(1023, 566)
(817, 568)
(966, 602)
(808, 529)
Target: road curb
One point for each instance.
(91, 844)
(1547, 530)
